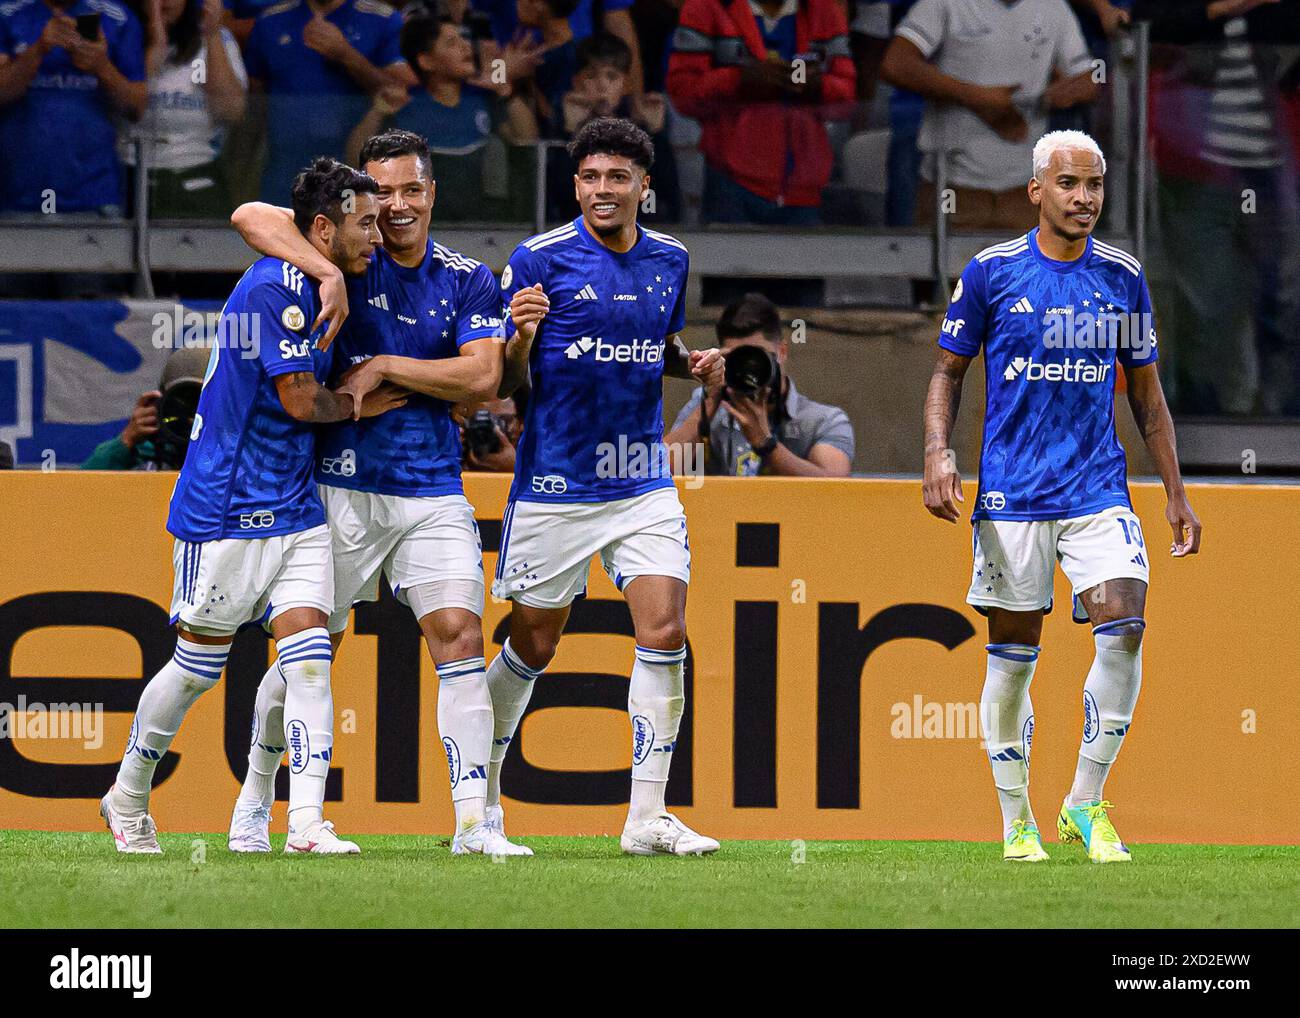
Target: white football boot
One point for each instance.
(135, 834)
(663, 835)
(319, 839)
(495, 818)
(484, 839)
(250, 827)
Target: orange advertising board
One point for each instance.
(832, 676)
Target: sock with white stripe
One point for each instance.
(193, 669)
(465, 725)
(305, 658)
(267, 747)
(1007, 717)
(656, 700)
(510, 685)
(1109, 695)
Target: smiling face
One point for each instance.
(609, 189)
(1070, 193)
(353, 241)
(406, 196)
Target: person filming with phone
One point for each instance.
(67, 68)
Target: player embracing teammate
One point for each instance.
(1053, 312)
(251, 541)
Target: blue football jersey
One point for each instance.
(425, 312)
(248, 471)
(593, 431)
(1052, 333)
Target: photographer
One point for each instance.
(758, 422)
(157, 433)
(490, 432)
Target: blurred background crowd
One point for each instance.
(780, 114)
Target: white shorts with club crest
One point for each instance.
(221, 585)
(412, 540)
(546, 547)
(1015, 560)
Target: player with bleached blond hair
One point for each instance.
(1054, 312)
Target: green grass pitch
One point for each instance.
(78, 880)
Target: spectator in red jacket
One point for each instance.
(761, 77)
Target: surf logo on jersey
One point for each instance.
(290, 350)
(635, 351)
(1080, 370)
(453, 760)
(299, 745)
(343, 465)
(259, 520)
(550, 484)
(484, 322)
(292, 319)
(643, 738)
(952, 328)
(1090, 725)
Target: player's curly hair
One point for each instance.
(612, 136)
(323, 187)
(395, 143)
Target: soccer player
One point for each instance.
(429, 320)
(596, 307)
(1053, 311)
(251, 541)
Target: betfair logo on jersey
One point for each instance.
(289, 349)
(1082, 371)
(638, 351)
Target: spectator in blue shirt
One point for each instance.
(466, 120)
(318, 61)
(59, 94)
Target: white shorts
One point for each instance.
(220, 585)
(546, 547)
(410, 539)
(1015, 559)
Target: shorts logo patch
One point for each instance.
(299, 745)
(453, 760)
(1090, 726)
(643, 738)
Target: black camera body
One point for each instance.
(481, 438)
(176, 412)
(749, 369)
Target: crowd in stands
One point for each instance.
(227, 99)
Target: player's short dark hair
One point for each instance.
(395, 143)
(750, 314)
(419, 32)
(323, 187)
(612, 136)
(603, 48)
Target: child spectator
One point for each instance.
(559, 52)
(184, 128)
(465, 118)
(602, 88)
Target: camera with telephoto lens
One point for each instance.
(481, 438)
(750, 369)
(176, 412)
